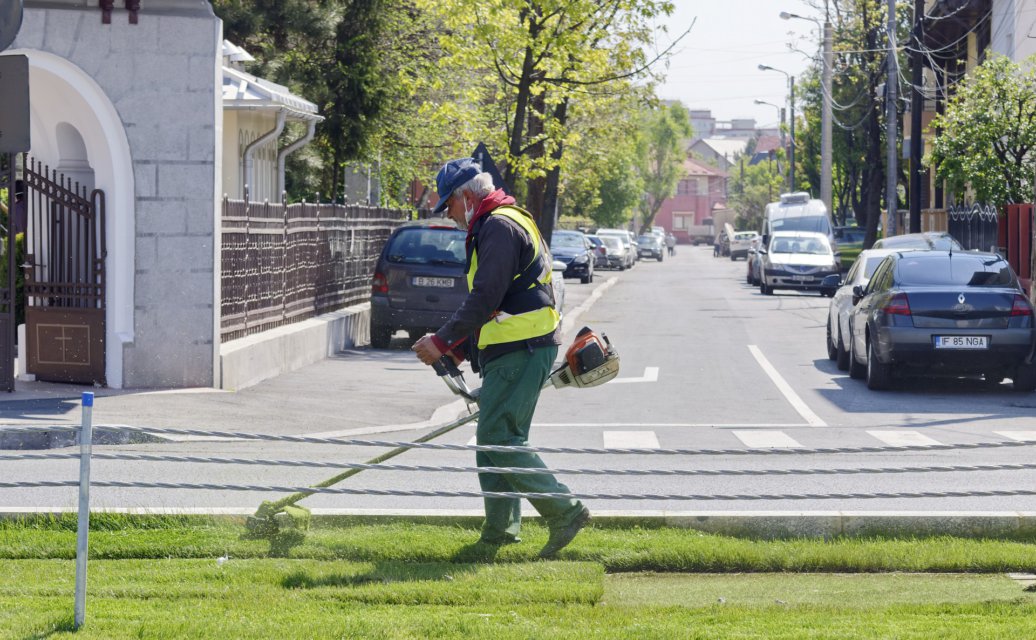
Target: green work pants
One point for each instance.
(511, 387)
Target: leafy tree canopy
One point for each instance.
(987, 136)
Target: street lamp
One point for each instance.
(791, 88)
(780, 116)
(826, 151)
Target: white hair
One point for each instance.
(480, 186)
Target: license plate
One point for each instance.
(802, 278)
(961, 342)
(421, 281)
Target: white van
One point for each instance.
(796, 212)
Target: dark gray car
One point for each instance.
(418, 281)
(942, 312)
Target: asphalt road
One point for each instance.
(707, 362)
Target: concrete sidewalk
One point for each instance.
(356, 391)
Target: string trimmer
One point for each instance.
(590, 361)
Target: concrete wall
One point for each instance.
(162, 78)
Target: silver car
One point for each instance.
(842, 303)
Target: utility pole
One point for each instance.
(826, 147)
(891, 114)
(791, 83)
(916, 110)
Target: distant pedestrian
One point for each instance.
(670, 243)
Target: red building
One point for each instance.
(700, 191)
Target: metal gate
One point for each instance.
(64, 277)
(7, 268)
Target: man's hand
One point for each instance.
(426, 350)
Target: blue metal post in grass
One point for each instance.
(83, 528)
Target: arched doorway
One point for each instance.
(75, 126)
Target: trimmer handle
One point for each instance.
(445, 366)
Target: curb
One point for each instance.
(757, 525)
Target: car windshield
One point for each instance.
(956, 269)
(427, 245)
(911, 241)
(645, 239)
(801, 223)
(611, 242)
(566, 241)
(812, 246)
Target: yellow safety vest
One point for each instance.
(505, 327)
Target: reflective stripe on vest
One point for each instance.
(505, 327)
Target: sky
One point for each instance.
(716, 65)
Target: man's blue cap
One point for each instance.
(452, 175)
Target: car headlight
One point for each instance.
(581, 259)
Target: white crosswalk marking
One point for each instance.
(903, 438)
(630, 440)
(766, 439)
(1023, 436)
(473, 441)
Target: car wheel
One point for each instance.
(733, 258)
(660, 258)
(748, 278)
(879, 375)
(765, 290)
(381, 336)
(587, 279)
(832, 348)
(843, 353)
(856, 369)
(1025, 377)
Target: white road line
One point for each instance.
(1024, 436)
(664, 425)
(630, 440)
(789, 393)
(650, 375)
(903, 438)
(766, 439)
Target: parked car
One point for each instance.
(927, 240)
(754, 259)
(418, 280)
(576, 251)
(948, 312)
(842, 303)
(600, 252)
(627, 241)
(557, 283)
(618, 255)
(850, 243)
(797, 260)
(651, 246)
(740, 243)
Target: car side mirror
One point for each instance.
(557, 265)
(761, 250)
(857, 293)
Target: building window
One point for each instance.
(682, 219)
(683, 187)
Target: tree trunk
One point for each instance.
(521, 104)
(536, 187)
(550, 195)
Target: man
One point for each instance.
(509, 314)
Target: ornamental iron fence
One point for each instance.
(975, 226)
(282, 264)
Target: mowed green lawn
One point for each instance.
(162, 578)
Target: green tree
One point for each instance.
(756, 186)
(357, 60)
(661, 156)
(987, 135)
(543, 64)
